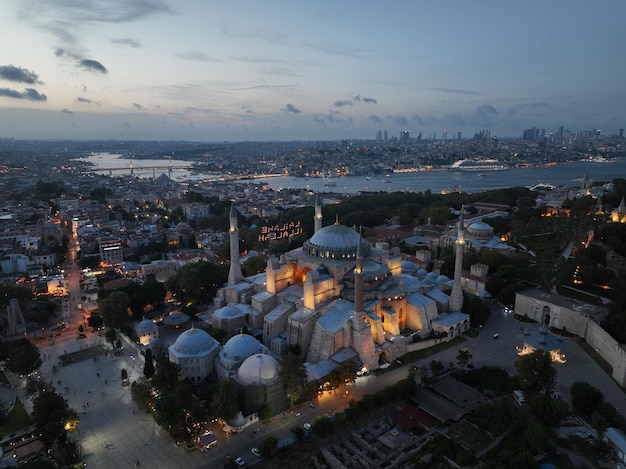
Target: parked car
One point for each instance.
(256, 452)
(240, 462)
(307, 426)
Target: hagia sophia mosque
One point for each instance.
(337, 298)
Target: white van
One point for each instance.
(519, 397)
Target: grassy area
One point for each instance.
(16, 420)
(4, 379)
(440, 347)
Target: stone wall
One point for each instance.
(611, 350)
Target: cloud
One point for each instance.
(64, 18)
(364, 99)
(455, 118)
(18, 74)
(486, 110)
(93, 65)
(83, 100)
(290, 108)
(456, 91)
(66, 111)
(375, 119)
(28, 94)
(196, 56)
(126, 41)
(343, 102)
(398, 120)
(137, 106)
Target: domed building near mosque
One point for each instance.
(339, 298)
(234, 352)
(194, 352)
(260, 385)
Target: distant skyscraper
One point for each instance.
(385, 136)
(444, 136)
(379, 137)
(621, 133)
(404, 136)
(458, 136)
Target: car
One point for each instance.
(495, 336)
(256, 452)
(307, 426)
(240, 462)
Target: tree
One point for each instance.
(293, 375)
(197, 282)
(254, 265)
(586, 399)
(166, 376)
(50, 412)
(535, 371)
(224, 404)
(114, 309)
(268, 447)
(140, 392)
(22, 357)
(148, 368)
(464, 357)
(153, 290)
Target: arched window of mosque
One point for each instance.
(546, 315)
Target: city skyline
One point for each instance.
(155, 69)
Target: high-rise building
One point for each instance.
(404, 136)
(379, 137)
(385, 136)
(444, 136)
(458, 135)
(621, 133)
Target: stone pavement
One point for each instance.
(113, 433)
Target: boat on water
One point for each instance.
(330, 183)
(478, 165)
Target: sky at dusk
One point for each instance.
(290, 70)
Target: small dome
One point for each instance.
(422, 273)
(146, 326)
(227, 312)
(258, 369)
(443, 279)
(480, 226)
(194, 342)
(431, 276)
(240, 347)
(408, 267)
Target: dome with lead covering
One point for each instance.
(194, 342)
(336, 242)
(258, 369)
(240, 347)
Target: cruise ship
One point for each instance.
(478, 165)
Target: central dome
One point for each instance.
(335, 242)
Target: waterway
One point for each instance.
(567, 174)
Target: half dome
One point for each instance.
(240, 347)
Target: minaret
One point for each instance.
(317, 218)
(456, 296)
(362, 339)
(358, 287)
(234, 274)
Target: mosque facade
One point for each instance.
(339, 298)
